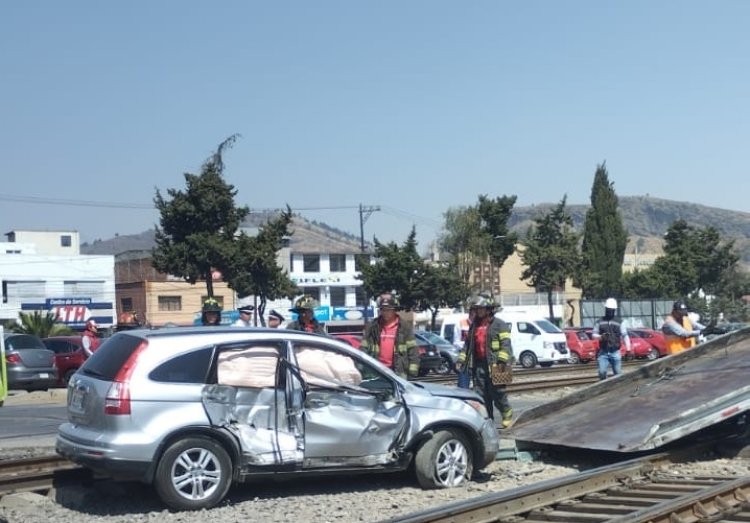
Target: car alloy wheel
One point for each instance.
(193, 473)
(528, 360)
(445, 366)
(444, 461)
(574, 358)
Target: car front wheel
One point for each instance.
(527, 360)
(444, 461)
(446, 367)
(193, 473)
(574, 358)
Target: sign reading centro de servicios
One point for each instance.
(74, 312)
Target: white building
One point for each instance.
(51, 275)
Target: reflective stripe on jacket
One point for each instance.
(498, 345)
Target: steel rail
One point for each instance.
(634, 491)
(39, 473)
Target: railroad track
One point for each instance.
(37, 474)
(536, 379)
(635, 491)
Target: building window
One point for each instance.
(311, 263)
(312, 291)
(338, 296)
(126, 304)
(338, 262)
(66, 240)
(359, 296)
(83, 289)
(170, 303)
(360, 260)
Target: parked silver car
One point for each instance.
(29, 364)
(192, 410)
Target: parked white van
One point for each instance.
(535, 340)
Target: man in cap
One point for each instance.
(391, 340)
(305, 307)
(246, 314)
(275, 319)
(89, 339)
(611, 332)
(680, 331)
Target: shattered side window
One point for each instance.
(326, 368)
(254, 367)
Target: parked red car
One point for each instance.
(582, 347)
(355, 340)
(654, 338)
(429, 357)
(69, 355)
(640, 347)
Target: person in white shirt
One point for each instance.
(246, 314)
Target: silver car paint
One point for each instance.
(333, 428)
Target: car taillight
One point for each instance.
(117, 401)
(421, 350)
(12, 359)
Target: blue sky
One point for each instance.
(415, 106)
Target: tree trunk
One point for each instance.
(209, 284)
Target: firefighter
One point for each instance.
(211, 312)
(680, 331)
(306, 322)
(89, 339)
(391, 340)
(487, 344)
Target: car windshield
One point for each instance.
(547, 326)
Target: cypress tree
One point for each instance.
(604, 241)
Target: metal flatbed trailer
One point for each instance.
(656, 404)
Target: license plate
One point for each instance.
(44, 375)
(77, 400)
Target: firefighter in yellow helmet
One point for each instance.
(487, 344)
(391, 340)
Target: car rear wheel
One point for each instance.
(653, 354)
(193, 473)
(444, 461)
(445, 366)
(527, 360)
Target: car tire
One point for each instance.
(193, 473)
(444, 461)
(446, 367)
(574, 358)
(653, 354)
(527, 360)
(68, 375)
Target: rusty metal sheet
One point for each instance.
(657, 403)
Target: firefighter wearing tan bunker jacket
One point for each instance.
(391, 340)
(487, 344)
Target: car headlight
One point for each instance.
(479, 407)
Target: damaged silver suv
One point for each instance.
(193, 410)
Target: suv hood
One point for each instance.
(448, 392)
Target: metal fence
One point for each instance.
(642, 313)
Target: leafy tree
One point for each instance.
(478, 231)
(396, 268)
(462, 239)
(439, 285)
(42, 325)
(604, 241)
(550, 252)
(255, 270)
(198, 225)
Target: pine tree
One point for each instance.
(604, 241)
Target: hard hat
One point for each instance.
(211, 305)
(611, 303)
(305, 302)
(389, 301)
(482, 299)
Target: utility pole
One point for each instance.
(364, 213)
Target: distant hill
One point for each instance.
(645, 218)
